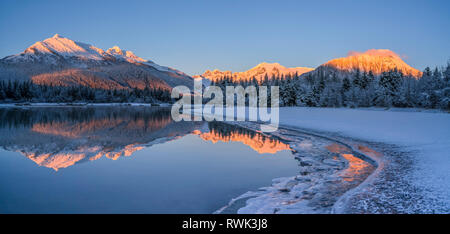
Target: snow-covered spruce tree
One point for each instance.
(445, 95)
(345, 91)
(430, 88)
(290, 90)
(388, 86)
(424, 88)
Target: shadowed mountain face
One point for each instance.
(61, 61)
(60, 137)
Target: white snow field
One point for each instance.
(425, 135)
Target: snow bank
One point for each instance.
(425, 134)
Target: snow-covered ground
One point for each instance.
(410, 146)
(426, 136)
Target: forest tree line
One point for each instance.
(358, 89)
(26, 91)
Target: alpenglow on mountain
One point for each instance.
(376, 61)
(62, 61)
(259, 72)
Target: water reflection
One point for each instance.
(176, 167)
(231, 133)
(356, 166)
(62, 137)
(161, 167)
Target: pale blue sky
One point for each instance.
(235, 35)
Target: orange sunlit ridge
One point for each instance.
(258, 142)
(258, 72)
(376, 61)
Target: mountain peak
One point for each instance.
(269, 65)
(375, 60)
(57, 59)
(57, 47)
(375, 52)
(115, 49)
(125, 54)
(258, 72)
(266, 63)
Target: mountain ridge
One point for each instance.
(62, 61)
(258, 72)
(376, 61)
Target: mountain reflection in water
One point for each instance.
(177, 167)
(60, 137)
(255, 140)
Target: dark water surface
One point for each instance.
(129, 160)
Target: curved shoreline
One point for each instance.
(377, 161)
(338, 205)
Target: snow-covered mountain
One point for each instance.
(376, 61)
(259, 72)
(62, 61)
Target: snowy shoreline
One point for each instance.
(285, 194)
(415, 145)
(413, 174)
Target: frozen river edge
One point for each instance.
(414, 176)
(388, 188)
(326, 180)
